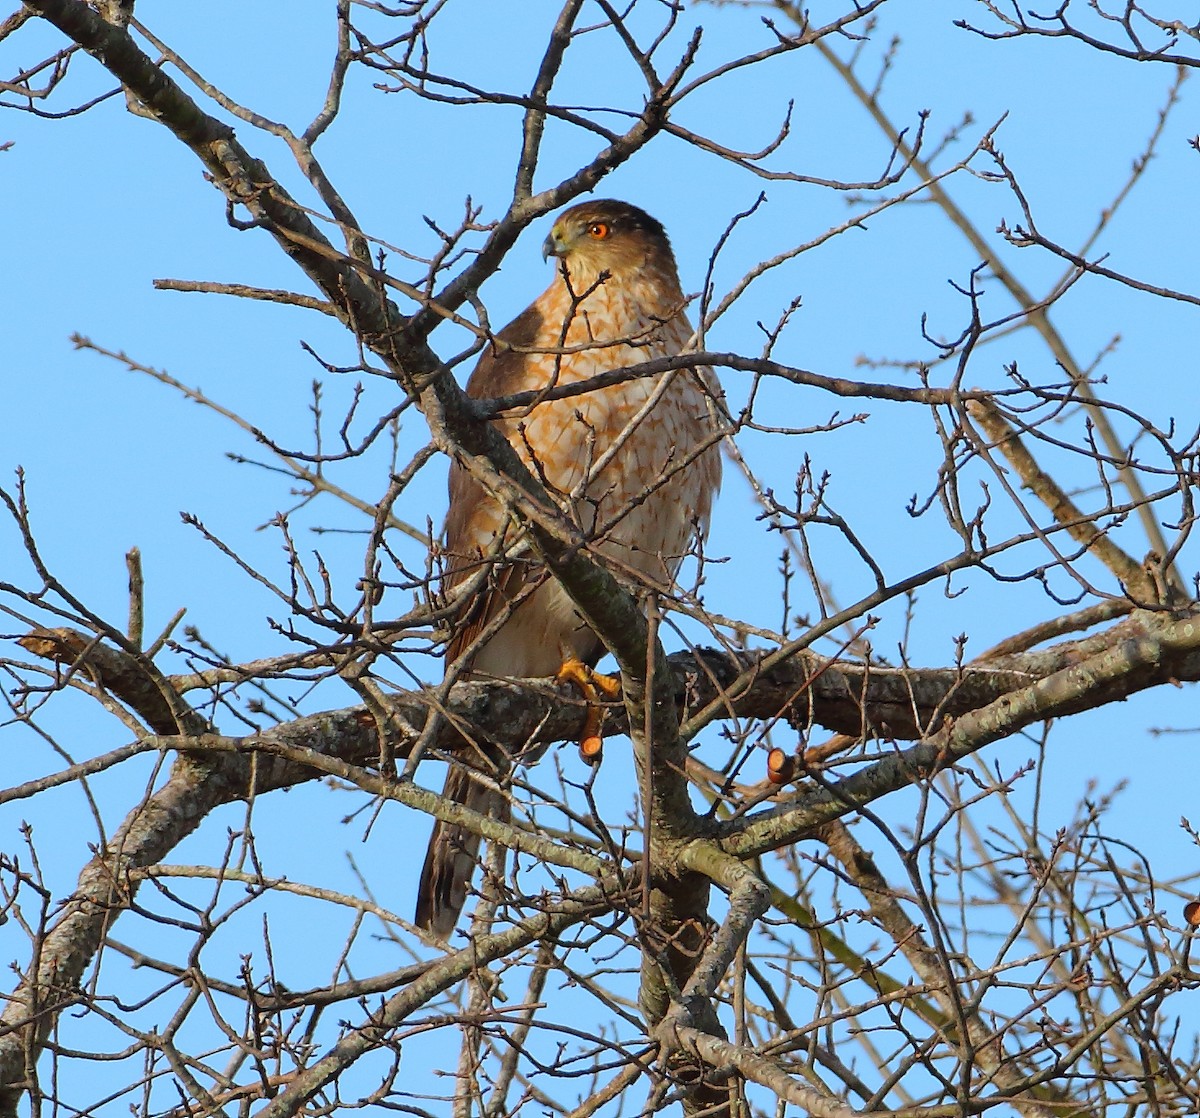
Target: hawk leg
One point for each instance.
(591, 685)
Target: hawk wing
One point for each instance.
(477, 524)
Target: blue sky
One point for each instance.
(97, 207)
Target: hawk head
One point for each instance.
(607, 236)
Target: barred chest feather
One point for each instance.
(622, 458)
(634, 464)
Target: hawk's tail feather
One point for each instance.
(453, 854)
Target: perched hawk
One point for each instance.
(635, 465)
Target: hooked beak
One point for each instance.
(552, 246)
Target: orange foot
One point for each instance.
(591, 684)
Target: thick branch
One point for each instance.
(902, 704)
(106, 888)
(1146, 651)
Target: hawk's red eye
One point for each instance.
(598, 230)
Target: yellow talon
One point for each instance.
(591, 684)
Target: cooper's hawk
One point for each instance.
(634, 464)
